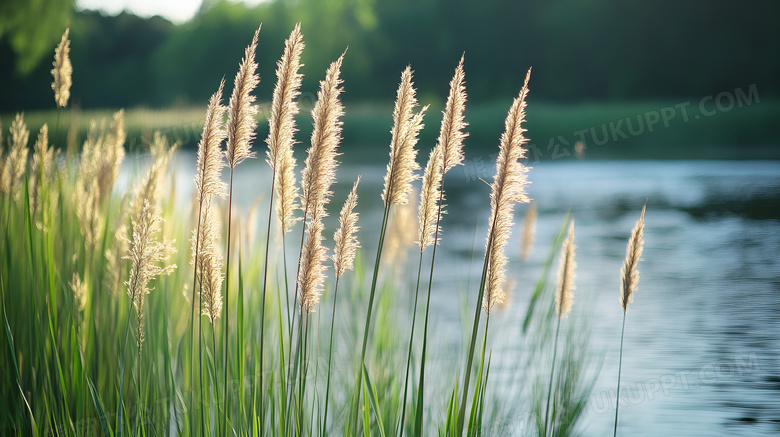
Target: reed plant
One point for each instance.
(629, 278)
(73, 242)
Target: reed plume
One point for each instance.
(564, 296)
(629, 278)
(406, 126)
(88, 211)
(102, 155)
(209, 264)
(628, 273)
(564, 299)
(112, 154)
(43, 166)
(508, 188)
(312, 272)
(149, 188)
(282, 128)
(209, 157)
(241, 123)
(320, 170)
(430, 196)
(451, 134)
(62, 71)
(148, 258)
(79, 289)
(345, 236)
(529, 232)
(16, 162)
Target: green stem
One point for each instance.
(302, 385)
(225, 336)
(262, 305)
(411, 342)
(620, 368)
(214, 363)
(200, 358)
(120, 413)
(552, 372)
(420, 388)
(359, 376)
(192, 318)
(330, 356)
(475, 328)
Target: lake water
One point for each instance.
(702, 345)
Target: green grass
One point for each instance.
(69, 360)
(70, 363)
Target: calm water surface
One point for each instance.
(702, 351)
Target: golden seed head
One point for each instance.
(507, 188)
(282, 128)
(628, 273)
(319, 172)
(148, 257)
(564, 295)
(451, 135)
(429, 199)
(312, 273)
(346, 235)
(62, 71)
(242, 111)
(406, 126)
(210, 160)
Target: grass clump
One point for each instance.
(70, 238)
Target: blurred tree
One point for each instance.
(33, 28)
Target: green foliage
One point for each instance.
(32, 28)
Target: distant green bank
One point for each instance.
(738, 124)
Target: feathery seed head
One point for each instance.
(79, 289)
(210, 159)
(62, 71)
(319, 172)
(346, 235)
(282, 128)
(209, 264)
(451, 135)
(312, 273)
(44, 165)
(564, 296)
(507, 188)
(429, 198)
(242, 111)
(149, 188)
(16, 162)
(147, 256)
(406, 126)
(629, 273)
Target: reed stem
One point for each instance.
(552, 373)
(620, 368)
(227, 306)
(411, 341)
(359, 377)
